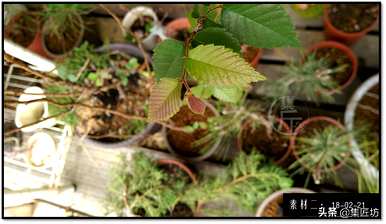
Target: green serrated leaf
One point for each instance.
(168, 59)
(228, 94)
(165, 99)
(219, 66)
(260, 25)
(202, 91)
(217, 36)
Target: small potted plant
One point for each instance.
(321, 146)
(308, 11)
(244, 183)
(349, 22)
(194, 128)
(23, 26)
(113, 110)
(149, 188)
(63, 28)
(273, 206)
(315, 78)
(214, 64)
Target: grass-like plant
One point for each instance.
(247, 181)
(143, 188)
(311, 78)
(321, 151)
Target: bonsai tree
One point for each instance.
(210, 56)
(143, 188)
(322, 152)
(311, 78)
(247, 181)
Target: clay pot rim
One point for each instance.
(347, 51)
(283, 158)
(176, 25)
(62, 55)
(180, 165)
(301, 126)
(327, 21)
(202, 156)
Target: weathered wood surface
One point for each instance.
(88, 167)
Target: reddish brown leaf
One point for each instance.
(196, 105)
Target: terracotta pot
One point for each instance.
(181, 166)
(301, 126)
(55, 56)
(180, 24)
(269, 207)
(204, 156)
(348, 52)
(36, 44)
(286, 128)
(332, 32)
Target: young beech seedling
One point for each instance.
(210, 55)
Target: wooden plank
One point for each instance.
(366, 49)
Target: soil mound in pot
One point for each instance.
(336, 58)
(274, 145)
(181, 142)
(108, 127)
(352, 18)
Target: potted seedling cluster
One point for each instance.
(115, 86)
(148, 187)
